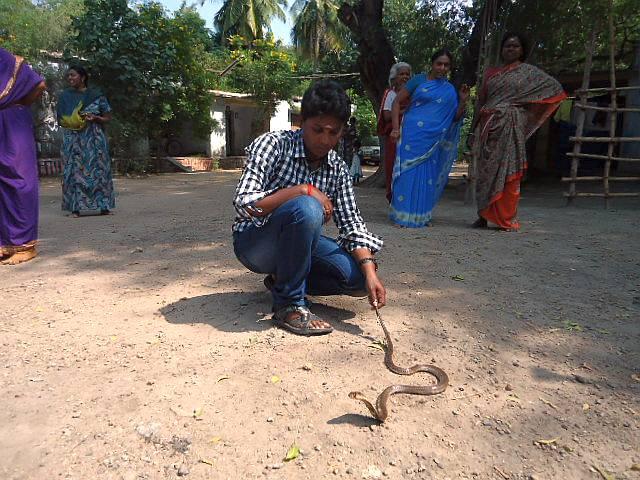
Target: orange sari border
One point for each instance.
(516, 176)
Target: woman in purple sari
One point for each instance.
(19, 87)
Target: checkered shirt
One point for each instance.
(276, 160)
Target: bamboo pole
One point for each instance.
(602, 195)
(604, 140)
(580, 116)
(606, 89)
(603, 157)
(614, 105)
(608, 109)
(593, 179)
(488, 20)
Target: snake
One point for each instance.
(380, 410)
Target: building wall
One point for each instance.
(281, 119)
(243, 122)
(217, 142)
(245, 129)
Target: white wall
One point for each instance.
(216, 147)
(243, 117)
(281, 119)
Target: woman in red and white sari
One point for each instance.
(398, 76)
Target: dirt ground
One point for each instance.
(137, 347)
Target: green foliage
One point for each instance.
(31, 29)
(247, 18)
(153, 68)
(366, 117)
(266, 70)
(465, 131)
(417, 29)
(559, 30)
(316, 28)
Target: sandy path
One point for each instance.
(132, 348)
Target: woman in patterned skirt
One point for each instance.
(83, 111)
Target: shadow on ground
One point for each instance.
(245, 312)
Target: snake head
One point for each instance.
(367, 403)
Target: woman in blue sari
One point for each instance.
(428, 145)
(87, 183)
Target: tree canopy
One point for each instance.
(153, 67)
(316, 28)
(249, 19)
(33, 29)
(158, 68)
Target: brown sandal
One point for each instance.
(301, 324)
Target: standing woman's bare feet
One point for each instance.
(479, 223)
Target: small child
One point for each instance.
(356, 169)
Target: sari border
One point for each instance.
(13, 249)
(9, 86)
(516, 176)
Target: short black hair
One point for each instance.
(523, 41)
(326, 97)
(81, 71)
(441, 52)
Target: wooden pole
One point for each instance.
(580, 116)
(604, 139)
(488, 20)
(603, 157)
(593, 179)
(614, 194)
(613, 105)
(608, 109)
(606, 89)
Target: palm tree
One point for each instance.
(316, 27)
(247, 18)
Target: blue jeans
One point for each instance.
(290, 247)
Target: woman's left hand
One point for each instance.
(90, 117)
(464, 93)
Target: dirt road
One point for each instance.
(137, 347)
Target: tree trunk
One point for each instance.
(364, 21)
(471, 52)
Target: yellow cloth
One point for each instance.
(563, 114)
(74, 121)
